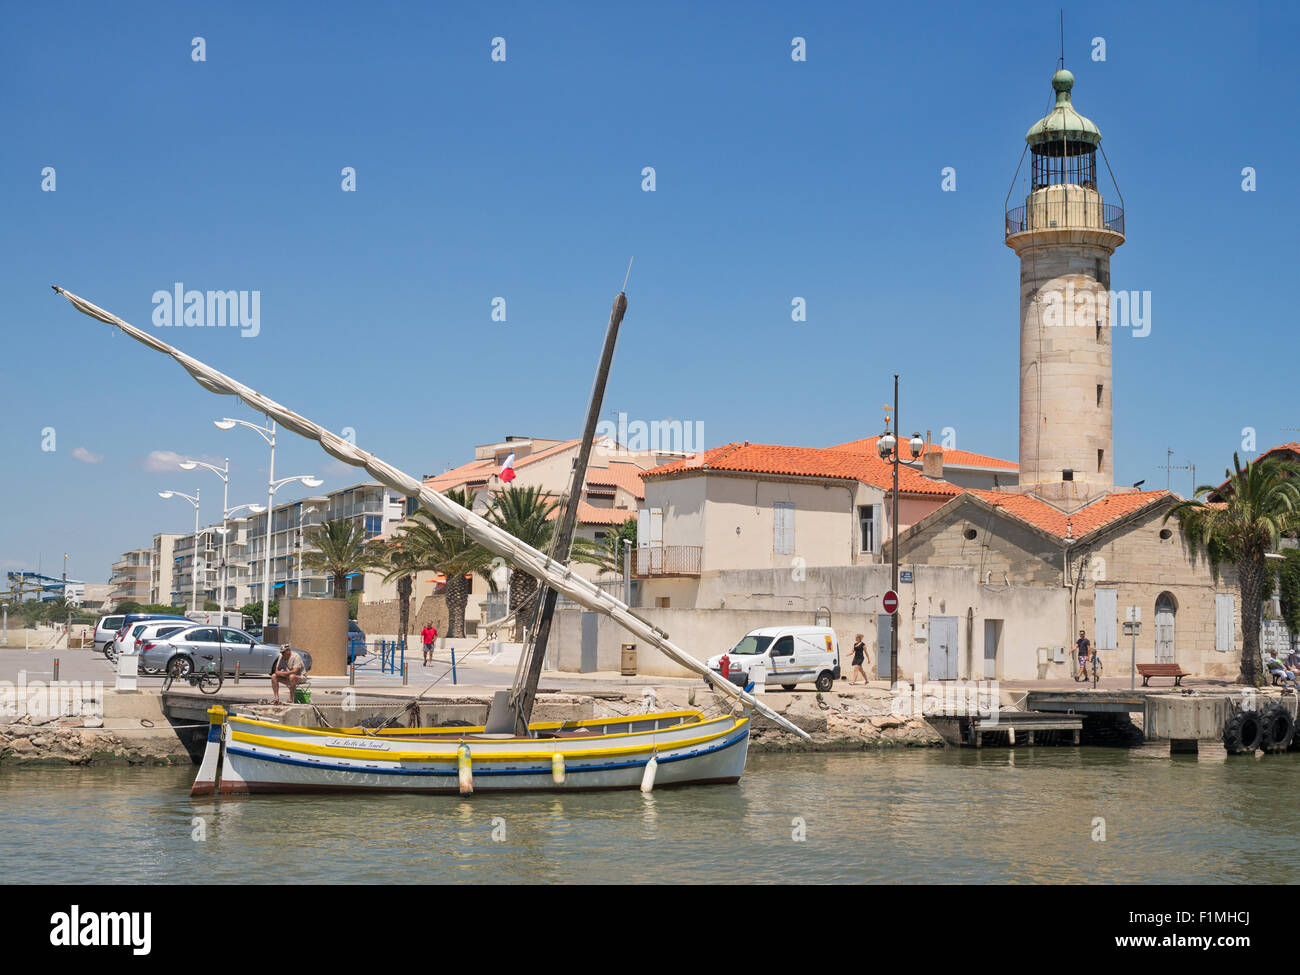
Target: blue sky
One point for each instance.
(522, 179)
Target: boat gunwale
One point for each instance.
(458, 733)
(338, 751)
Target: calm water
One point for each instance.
(911, 816)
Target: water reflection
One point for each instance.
(1033, 815)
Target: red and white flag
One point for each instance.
(508, 469)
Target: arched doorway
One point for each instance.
(1166, 609)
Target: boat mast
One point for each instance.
(525, 693)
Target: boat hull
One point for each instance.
(263, 757)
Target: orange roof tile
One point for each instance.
(962, 458)
(625, 476)
(751, 458)
(1106, 510)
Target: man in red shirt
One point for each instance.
(428, 634)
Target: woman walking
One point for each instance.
(859, 657)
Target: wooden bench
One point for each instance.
(1162, 670)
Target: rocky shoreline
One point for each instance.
(50, 745)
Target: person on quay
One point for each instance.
(1082, 646)
(428, 635)
(859, 658)
(290, 670)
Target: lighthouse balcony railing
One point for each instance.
(1066, 214)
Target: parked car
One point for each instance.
(356, 641)
(129, 636)
(128, 622)
(105, 629)
(202, 646)
(790, 655)
(143, 633)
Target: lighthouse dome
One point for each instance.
(1063, 122)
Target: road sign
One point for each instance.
(905, 575)
(890, 602)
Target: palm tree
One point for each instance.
(402, 561)
(444, 548)
(1260, 503)
(526, 514)
(607, 553)
(341, 550)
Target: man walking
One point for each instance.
(428, 635)
(1082, 648)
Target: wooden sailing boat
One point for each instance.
(246, 755)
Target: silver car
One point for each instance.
(202, 646)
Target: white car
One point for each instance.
(788, 655)
(148, 631)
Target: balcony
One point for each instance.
(667, 560)
(1066, 212)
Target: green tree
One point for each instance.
(1261, 504)
(607, 553)
(451, 551)
(341, 550)
(254, 611)
(526, 514)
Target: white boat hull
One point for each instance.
(262, 757)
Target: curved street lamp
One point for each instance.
(194, 556)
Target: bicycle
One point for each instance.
(209, 680)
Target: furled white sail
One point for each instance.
(535, 563)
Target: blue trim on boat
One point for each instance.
(482, 770)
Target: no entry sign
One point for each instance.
(890, 602)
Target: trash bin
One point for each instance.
(629, 660)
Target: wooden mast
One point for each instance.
(523, 696)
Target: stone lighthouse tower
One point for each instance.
(1064, 234)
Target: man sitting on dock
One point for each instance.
(1278, 669)
(289, 669)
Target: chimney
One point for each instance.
(932, 462)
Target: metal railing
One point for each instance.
(667, 560)
(1066, 214)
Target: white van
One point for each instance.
(790, 655)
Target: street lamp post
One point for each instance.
(194, 557)
(224, 474)
(888, 445)
(267, 433)
(298, 554)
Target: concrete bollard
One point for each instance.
(405, 675)
(236, 671)
(352, 674)
(56, 670)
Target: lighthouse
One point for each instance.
(1064, 232)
